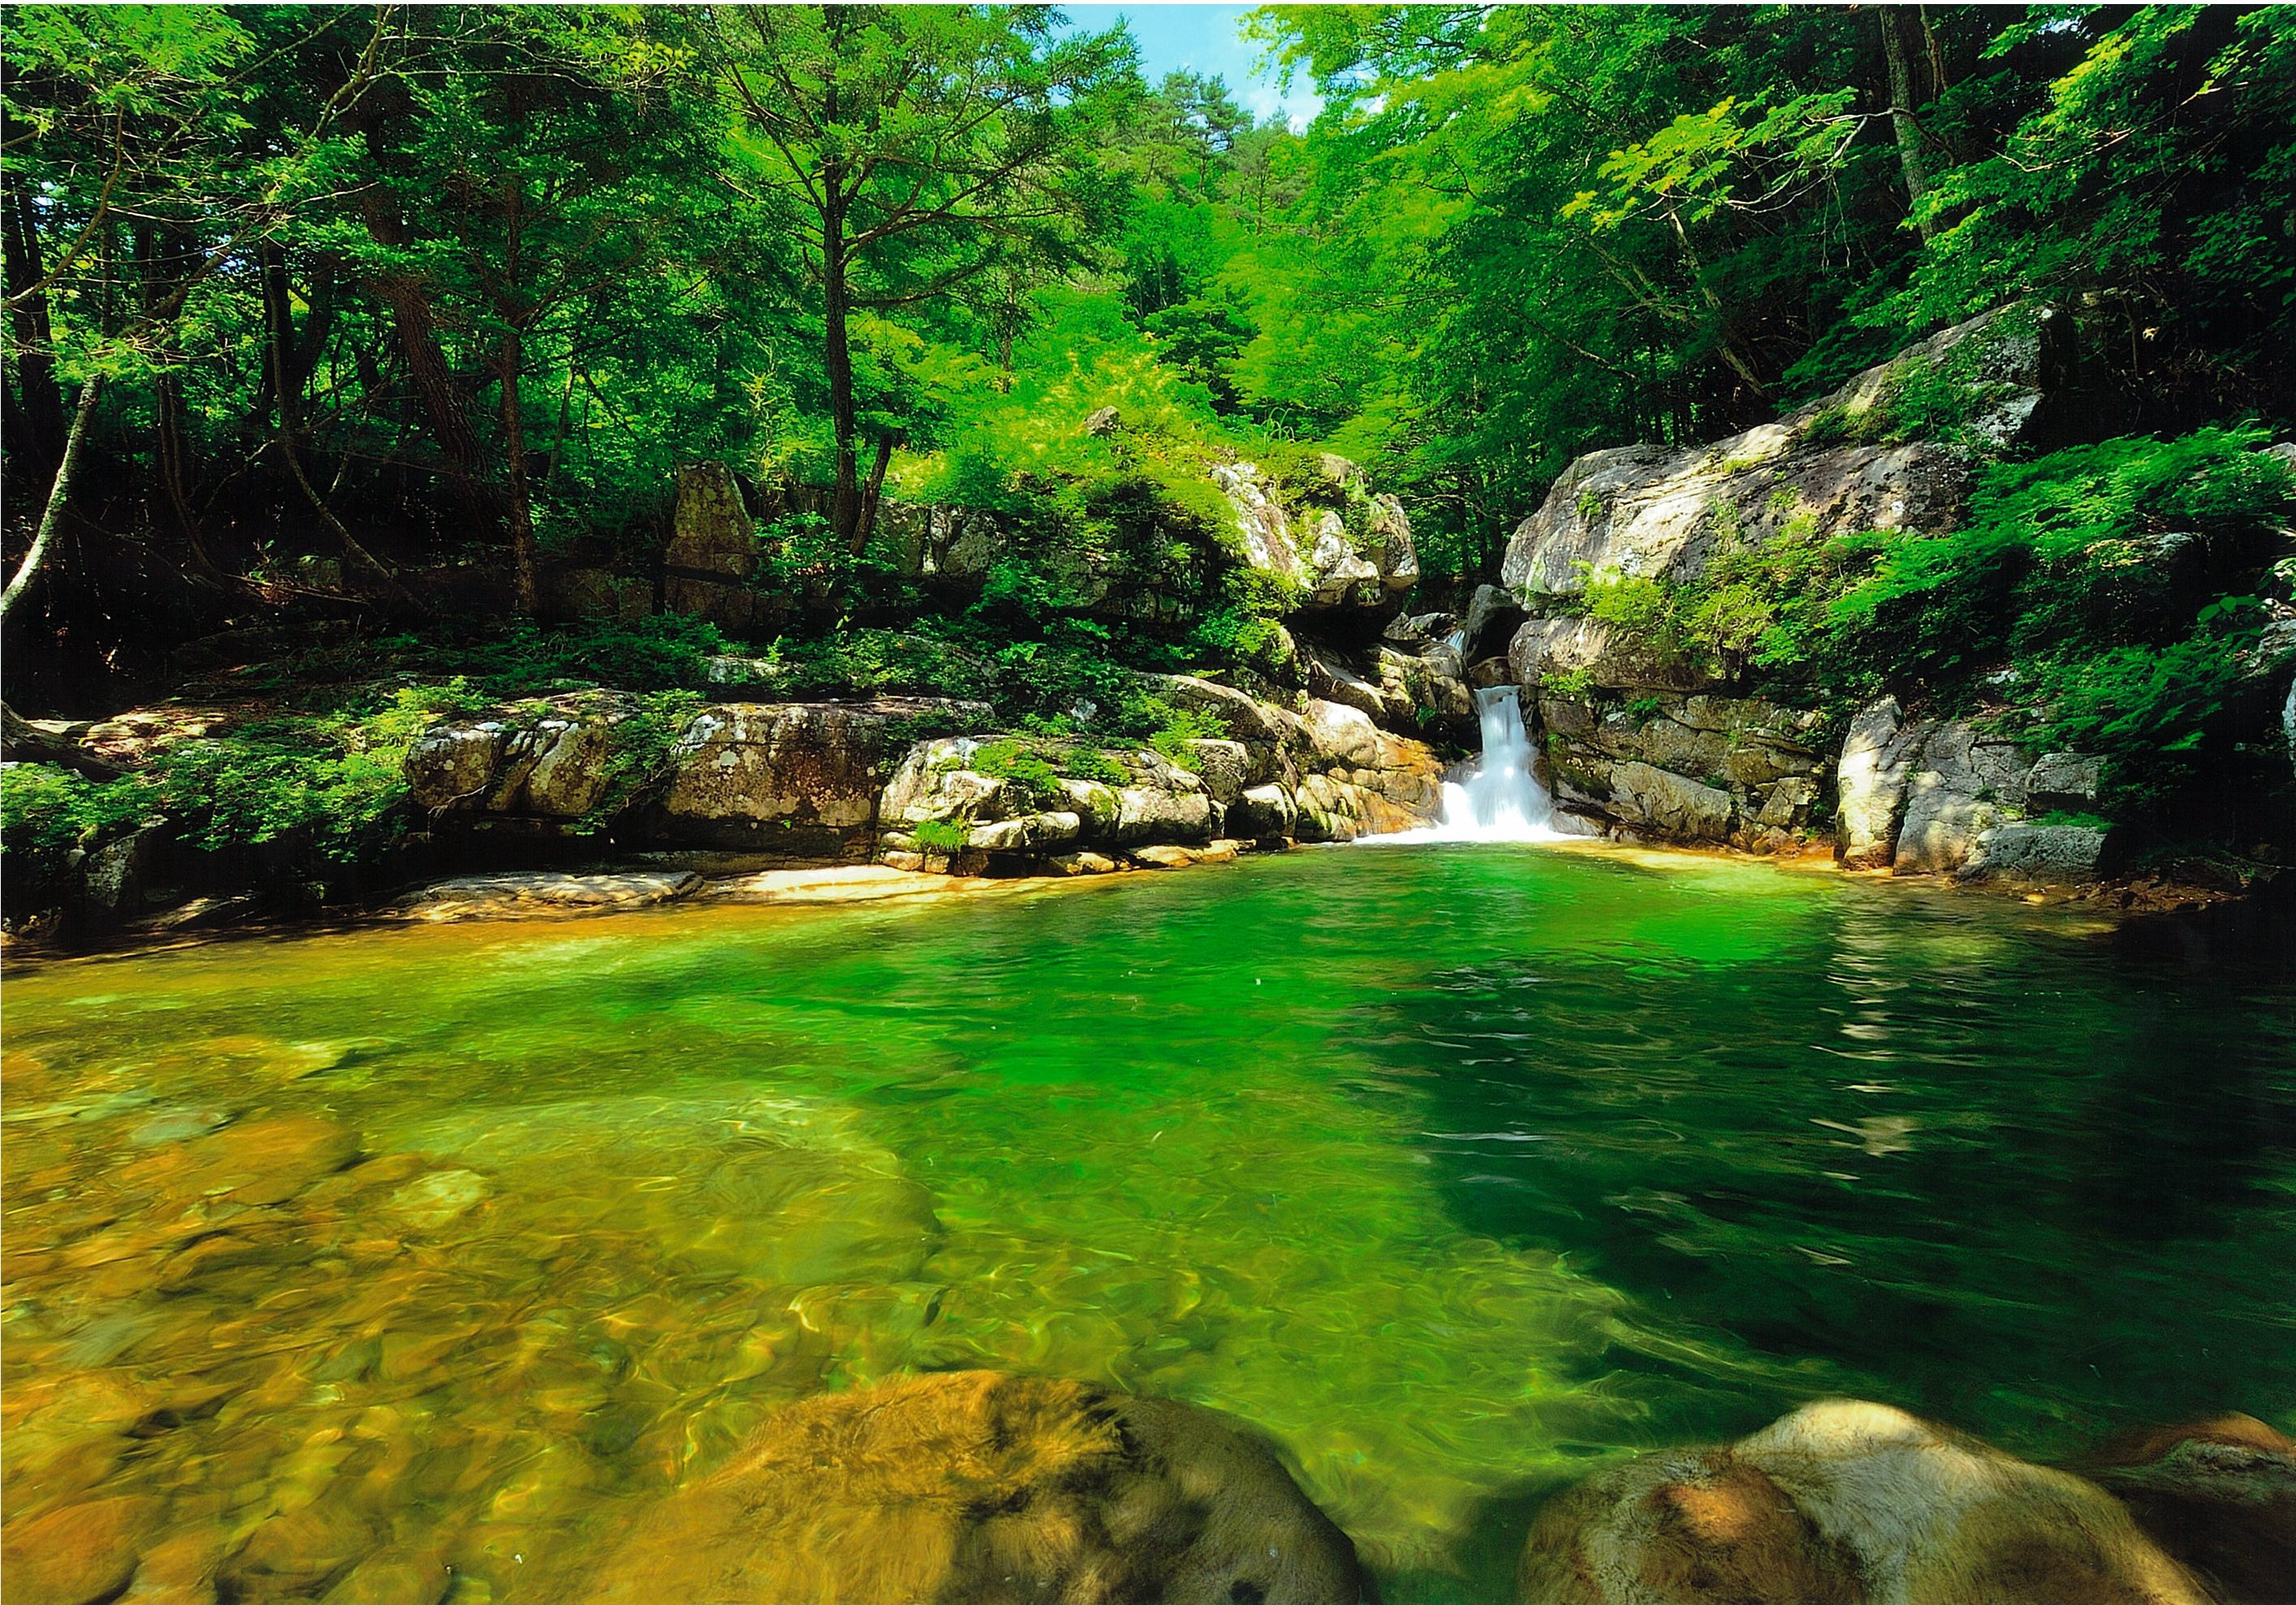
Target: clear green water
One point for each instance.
(1452, 1169)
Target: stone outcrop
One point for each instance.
(1693, 769)
(798, 779)
(1326, 774)
(1831, 468)
(545, 760)
(979, 1487)
(1403, 692)
(794, 780)
(1360, 559)
(1922, 796)
(713, 548)
(1844, 1502)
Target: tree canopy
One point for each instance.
(391, 288)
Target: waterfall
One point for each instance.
(1498, 799)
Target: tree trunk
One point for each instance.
(845, 506)
(1902, 106)
(522, 505)
(59, 492)
(426, 362)
(281, 385)
(35, 345)
(168, 450)
(869, 494)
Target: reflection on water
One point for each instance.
(356, 1259)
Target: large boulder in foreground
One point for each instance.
(1844, 1502)
(978, 1488)
(2219, 1494)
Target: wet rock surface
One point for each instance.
(2219, 1494)
(979, 1486)
(528, 893)
(1844, 1502)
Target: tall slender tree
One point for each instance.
(923, 146)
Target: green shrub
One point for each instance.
(1007, 759)
(1085, 764)
(942, 836)
(337, 781)
(2045, 566)
(661, 653)
(2155, 714)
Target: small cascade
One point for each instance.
(1500, 799)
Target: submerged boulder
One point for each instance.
(976, 1488)
(1844, 1502)
(2219, 1494)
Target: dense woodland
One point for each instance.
(375, 317)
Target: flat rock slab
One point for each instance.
(526, 893)
(842, 883)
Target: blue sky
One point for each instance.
(1206, 39)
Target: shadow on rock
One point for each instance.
(1844, 1503)
(979, 1487)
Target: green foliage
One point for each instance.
(639, 748)
(1176, 728)
(2156, 714)
(2063, 554)
(942, 837)
(333, 785)
(665, 651)
(1009, 759)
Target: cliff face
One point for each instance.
(1660, 585)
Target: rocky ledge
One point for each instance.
(784, 782)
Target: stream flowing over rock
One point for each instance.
(975, 1488)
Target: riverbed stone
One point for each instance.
(2218, 1494)
(982, 1488)
(1163, 858)
(74, 1554)
(1844, 1503)
(298, 1552)
(523, 893)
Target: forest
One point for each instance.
(345, 345)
